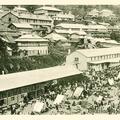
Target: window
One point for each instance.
(9, 20)
(76, 59)
(91, 58)
(12, 98)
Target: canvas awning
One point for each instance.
(38, 107)
(111, 81)
(59, 99)
(78, 91)
(118, 76)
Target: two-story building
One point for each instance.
(34, 20)
(50, 11)
(16, 86)
(94, 30)
(23, 28)
(98, 59)
(64, 17)
(33, 44)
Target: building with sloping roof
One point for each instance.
(34, 20)
(64, 17)
(94, 30)
(14, 86)
(50, 11)
(97, 59)
(33, 44)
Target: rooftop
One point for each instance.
(99, 51)
(22, 25)
(104, 40)
(20, 79)
(67, 25)
(49, 9)
(20, 9)
(56, 37)
(29, 16)
(31, 37)
(81, 32)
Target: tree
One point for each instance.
(31, 8)
(10, 7)
(115, 36)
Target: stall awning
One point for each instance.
(105, 61)
(38, 107)
(59, 99)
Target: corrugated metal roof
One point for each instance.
(30, 37)
(15, 80)
(99, 51)
(22, 25)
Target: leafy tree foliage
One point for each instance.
(115, 36)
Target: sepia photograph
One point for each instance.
(59, 59)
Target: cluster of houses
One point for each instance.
(32, 32)
(105, 15)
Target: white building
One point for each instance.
(65, 17)
(94, 30)
(50, 11)
(98, 59)
(78, 27)
(33, 44)
(23, 28)
(34, 20)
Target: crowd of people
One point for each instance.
(97, 96)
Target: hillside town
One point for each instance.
(57, 61)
